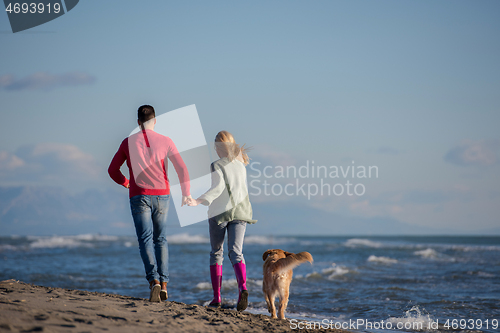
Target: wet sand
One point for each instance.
(29, 308)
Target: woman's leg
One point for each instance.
(235, 236)
(217, 232)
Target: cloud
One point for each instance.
(48, 164)
(474, 153)
(45, 81)
(9, 161)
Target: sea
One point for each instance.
(366, 284)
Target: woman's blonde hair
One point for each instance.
(227, 147)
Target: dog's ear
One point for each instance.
(266, 254)
(288, 253)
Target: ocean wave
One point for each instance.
(357, 242)
(472, 248)
(204, 286)
(186, 238)
(329, 273)
(362, 242)
(414, 319)
(384, 260)
(427, 253)
(260, 308)
(230, 284)
(335, 270)
(96, 238)
(58, 241)
(481, 274)
(82, 237)
(7, 247)
(267, 240)
(314, 275)
(84, 240)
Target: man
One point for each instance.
(146, 154)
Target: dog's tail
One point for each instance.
(291, 261)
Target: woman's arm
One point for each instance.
(218, 186)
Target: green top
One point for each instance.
(228, 198)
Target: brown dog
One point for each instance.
(278, 274)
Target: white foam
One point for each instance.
(204, 285)
(7, 247)
(414, 319)
(335, 271)
(356, 242)
(470, 248)
(186, 238)
(84, 240)
(57, 241)
(266, 240)
(261, 308)
(384, 260)
(480, 273)
(314, 275)
(256, 282)
(99, 238)
(230, 284)
(427, 253)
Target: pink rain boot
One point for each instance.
(240, 271)
(216, 277)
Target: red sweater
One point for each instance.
(145, 153)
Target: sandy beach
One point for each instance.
(29, 308)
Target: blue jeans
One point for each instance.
(235, 235)
(150, 219)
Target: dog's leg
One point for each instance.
(284, 293)
(272, 309)
(268, 302)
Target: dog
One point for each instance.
(278, 266)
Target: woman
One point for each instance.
(229, 210)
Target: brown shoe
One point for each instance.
(163, 292)
(154, 295)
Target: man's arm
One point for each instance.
(114, 167)
(182, 172)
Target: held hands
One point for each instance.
(194, 202)
(186, 200)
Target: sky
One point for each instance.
(410, 87)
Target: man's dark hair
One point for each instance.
(145, 113)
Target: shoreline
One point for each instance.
(30, 308)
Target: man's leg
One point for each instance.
(160, 211)
(140, 206)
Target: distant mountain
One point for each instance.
(51, 210)
(54, 211)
